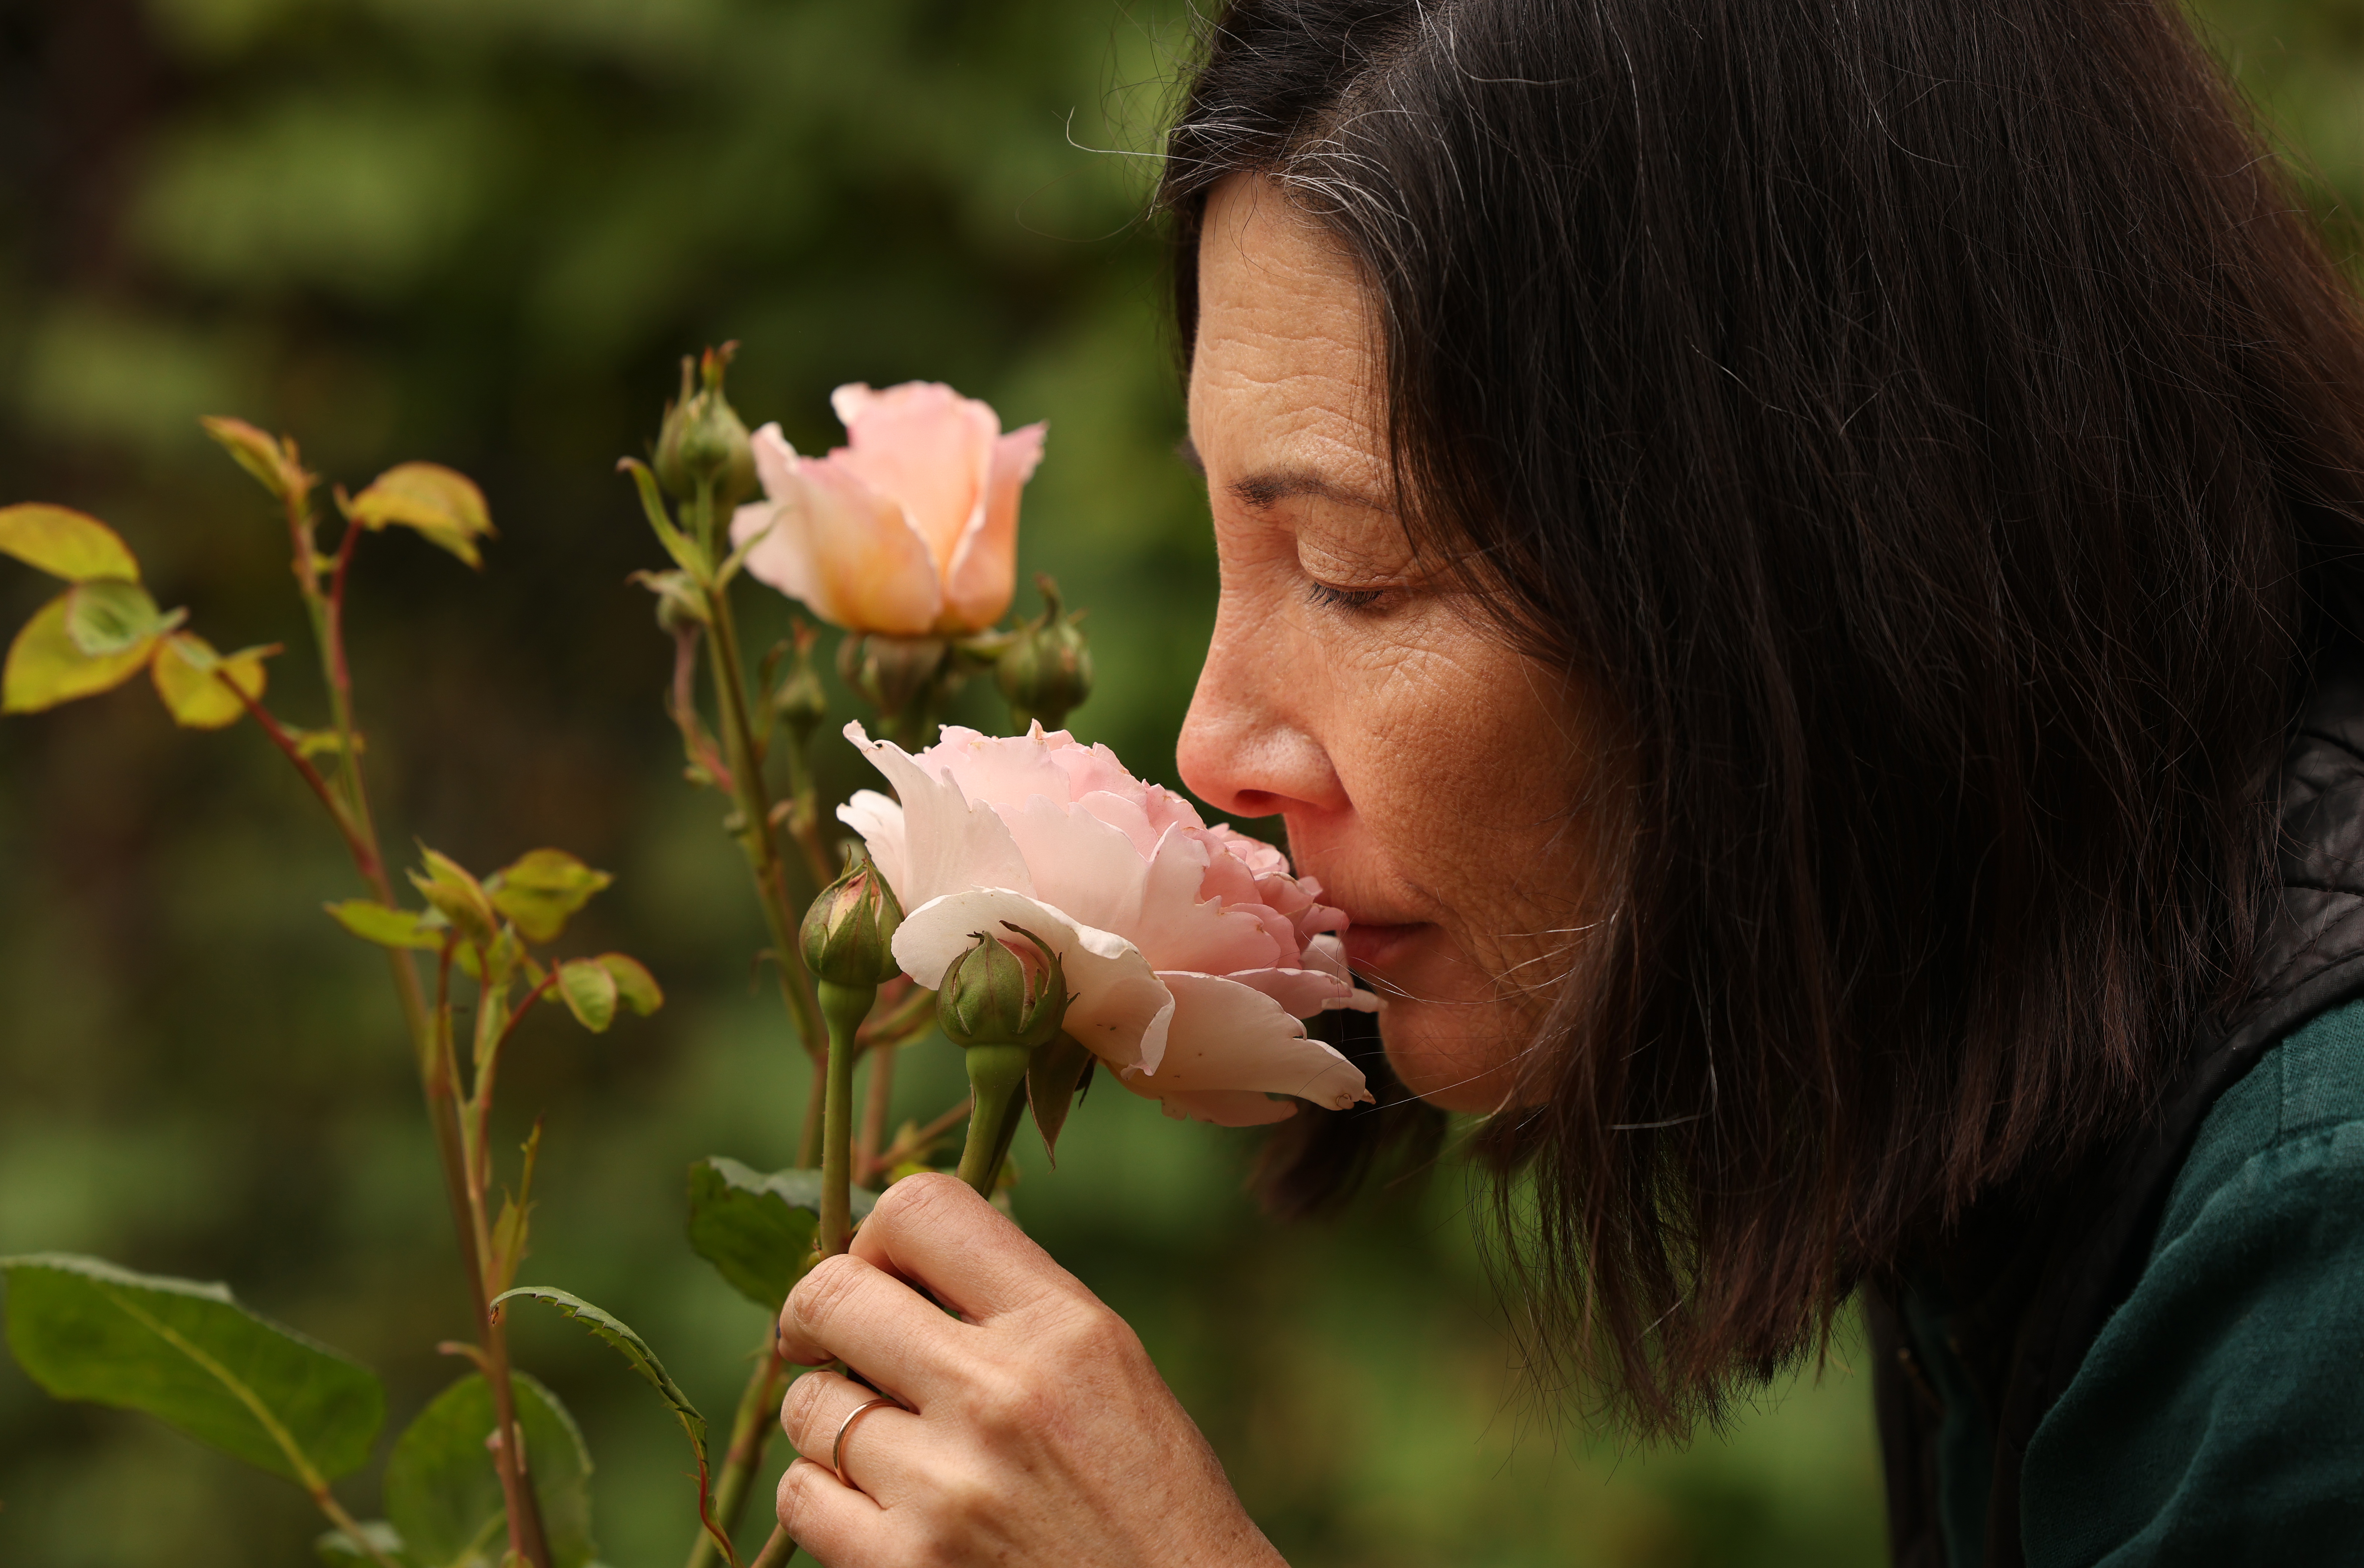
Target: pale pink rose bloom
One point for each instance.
(1191, 953)
(910, 528)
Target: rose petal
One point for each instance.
(928, 447)
(1225, 1035)
(984, 569)
(872, 562)
(949, 844)
(1300, 991)
(1227, 1107)
(879, 821)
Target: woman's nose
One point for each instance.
(1252, 745)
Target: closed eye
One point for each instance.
(1329, 596)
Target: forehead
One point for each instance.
(1282, 369)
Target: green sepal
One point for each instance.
(443, 1496)
(687, 553)
(1052, 1076)
(190, 1356)
(757, 1229)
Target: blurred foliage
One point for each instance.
(479, 231)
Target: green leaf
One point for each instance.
(456, 895)
(374, 922)
(543, 890)
(635, 986)
(589, 992)
(338, 1550)
(757, 1230)
(629, 1345)
(441, 504)
(189, 1355)
(261, 454)
(45, 668)
(443, 1495)
(107, 615)
(189, 674)
(1055, 1074)
(65, 543)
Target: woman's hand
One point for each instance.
(1034, 1431)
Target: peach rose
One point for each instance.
(1191, 953)
(910, 528)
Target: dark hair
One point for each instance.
(1930, 429)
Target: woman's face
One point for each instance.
(1425, 767)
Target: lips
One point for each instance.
(1375, 947)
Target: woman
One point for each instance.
(1792, 566)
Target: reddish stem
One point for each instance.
(338, 669)
(364, 853)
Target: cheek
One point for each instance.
(1456, 762)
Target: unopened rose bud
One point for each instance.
(892, 673)
(703, 441)
(849, 932)
(680, 607)
(1046, 672)
(799, 702)
(989, 998)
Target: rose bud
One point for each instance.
(1046, 671)
(799, 703)
(679, 607)
(702, 441)
(849, 932)
(909, 529)
(990, 998)
(893, 672)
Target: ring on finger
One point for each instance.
(836, 1448)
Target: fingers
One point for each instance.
(830, 1522)
(847, 1309)
(934, 1231)
(877, 1448)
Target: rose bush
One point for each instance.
(909, 529)
(1192, 954)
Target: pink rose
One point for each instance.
(1191, 953)
(910, 528)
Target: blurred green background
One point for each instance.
(480, 231)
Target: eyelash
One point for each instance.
(1331, 598)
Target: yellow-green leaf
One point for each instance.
(65, 543)
(45, 668)
(460, 896)
(108, 615)
(269, 459)
(374, 922)
(589, 991)
(635, 986)
(441, 503)
(189, 677)
(543, 890)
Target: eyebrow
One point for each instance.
(1263, 491)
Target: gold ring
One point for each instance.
(836, 1448)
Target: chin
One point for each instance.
(1437, 1054)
